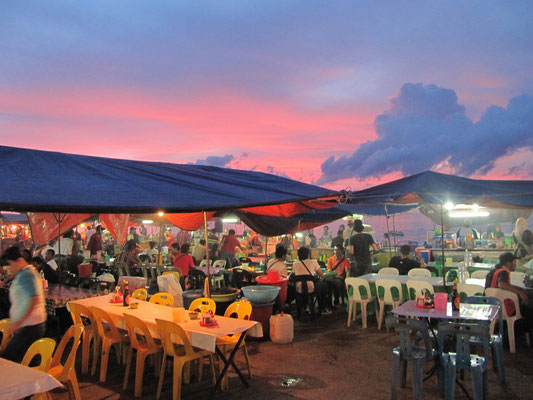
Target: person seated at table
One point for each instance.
(183, 260)
(45, 269)
(341, 265)
(306, 266)
(199, 252)
(152, 252)
(27, 312)
(173, 251)
(500, 277)
(278, 263)
(403, 263)
(129, 255)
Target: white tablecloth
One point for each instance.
(433, 280)
(201, 337)
(18, 381)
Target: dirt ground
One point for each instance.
(326, 360)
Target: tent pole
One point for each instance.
(207, 256)
(394, 234)
(388, 230)
(266, 249)
(442, 246)
(159, 257)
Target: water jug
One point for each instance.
(281, 328)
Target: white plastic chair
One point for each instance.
(456, 273)
(388, 298)
(388, 271)
(502, 295)
(356, 297)
(470, 290)
(479, 274)
(203, 263)
(517, 276)
(219, 264)
(419, 272)
(420, 288)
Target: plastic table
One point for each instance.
(19, 381)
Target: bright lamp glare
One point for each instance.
(230, 220)
(299, 235)
(468, 214)
(448, 205)
(160, 213)
(147, 221)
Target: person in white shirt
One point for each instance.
(278, 263)
(65, 244)
(199, 251)
(90, 231)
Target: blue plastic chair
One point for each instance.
(411, 332)
(462, 359)
(495, 339)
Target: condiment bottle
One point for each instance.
(126, 295)
(456, 299)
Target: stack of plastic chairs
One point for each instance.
(411, 331)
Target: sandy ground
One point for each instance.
(332, 362)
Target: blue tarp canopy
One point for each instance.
(44, 181)
(435, 188)
(14, 218)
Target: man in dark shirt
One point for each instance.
(337, 239)
(402, 262)
(500, 277)
(360, 244)
(47, 271)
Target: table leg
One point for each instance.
(227, 363)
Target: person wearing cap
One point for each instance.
(27, 312)
(500, 277)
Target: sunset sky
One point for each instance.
(338, 93)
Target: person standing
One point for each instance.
(27, 313)
(326, 238)
(227, 248)
(95, 242)
(360, 245)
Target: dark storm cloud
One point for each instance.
(426, 126)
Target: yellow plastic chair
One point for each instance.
(203, 304)
(419, 272)
(7, 334)
(419, 288)
(479, 274)
(470, 290)
(42, 347)
(140, 294)
(504, 295)
(177, 273)
(66, 373)
(388, 271)
(182, 353)
(109, 335)
(357, 297)
(388, 298)
(239, 310)
(142, 341)
(162, 298)
(81, 315)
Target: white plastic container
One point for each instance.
(281, 328)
